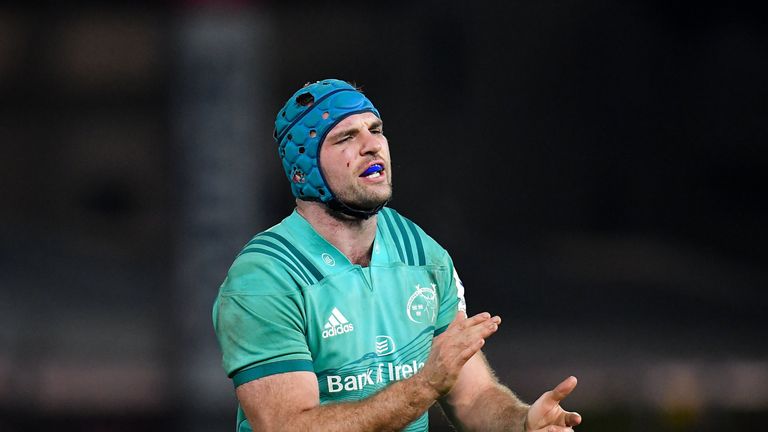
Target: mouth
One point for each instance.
(373, 171)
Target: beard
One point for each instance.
(364, 199)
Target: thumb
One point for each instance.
(563, 389)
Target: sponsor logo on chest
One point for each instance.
(381, 373)
(337, 324)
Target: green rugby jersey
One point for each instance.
(292, 302)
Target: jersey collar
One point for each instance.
(325, 255)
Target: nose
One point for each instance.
(371, 143)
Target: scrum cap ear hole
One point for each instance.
(312, 133)
(305, 99)
(325, 116)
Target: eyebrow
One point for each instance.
(374, 124)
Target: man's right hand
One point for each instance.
(454, 347)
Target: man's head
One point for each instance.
(332, 148)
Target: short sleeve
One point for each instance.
(259, 322)
(451, 298)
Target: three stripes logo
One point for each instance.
(337, 324)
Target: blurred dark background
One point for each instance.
(595, 168)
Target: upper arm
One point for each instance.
(260, 336)
(260, 323)
(451, 297)
(272, 401)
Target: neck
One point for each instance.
(351, 236)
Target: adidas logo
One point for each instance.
(336, 325)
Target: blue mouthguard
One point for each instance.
(372, 169)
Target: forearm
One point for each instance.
(496, 408)
(289, 401)
(391, 409)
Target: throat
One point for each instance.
(363, 260)
(356, 246)
(356, 254)
(352, 237)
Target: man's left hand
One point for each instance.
(546, 415)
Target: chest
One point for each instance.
(370, 326)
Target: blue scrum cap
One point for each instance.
(301, 126)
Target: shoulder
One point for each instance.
(269, 264)
(412, 238)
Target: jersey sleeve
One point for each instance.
(259, 322)
(451, 298)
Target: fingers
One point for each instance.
(572, 419)
(554, 429)
(479, 331)
(460, 317)
(547, 411)
(563, 389)
(460, 323)
(470, 334)
(467, 354)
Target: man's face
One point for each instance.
(355, 162)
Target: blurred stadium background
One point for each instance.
(595, 168)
